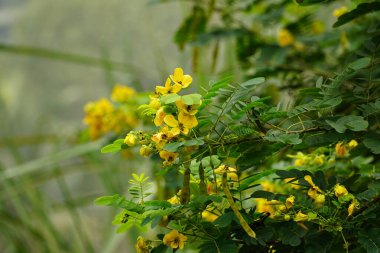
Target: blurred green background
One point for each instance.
(55, 56)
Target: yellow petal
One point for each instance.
(170, 121)
(186, 81)
(176, 88)
(189, 121)
(178, 74)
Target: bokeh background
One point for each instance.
(55, 56)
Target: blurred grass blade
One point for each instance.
(68, 57)
(50, 160)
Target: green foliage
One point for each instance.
(285, 163)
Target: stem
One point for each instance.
(185, 193)
(202, 184)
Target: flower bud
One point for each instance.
(340, 190)
(130, 140)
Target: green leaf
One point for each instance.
(117, 201)
(223, 246)
(351, 122)
(251, 179)
(290, 233)
(372, 142)
(170, 98)
(370, 240)
(253, 82)
(114, 147)
(360, 63)
(194, 142)
(289, 173)
(309, 2)
(173, 147)
(361, 9)
(263, 194)
(191, 99)
(279, 136)
(157, 203)
(224, 220)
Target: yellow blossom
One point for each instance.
(319, 199)
(160, 115)
(313, 191)
(293, 184)
(340, 149)
(121, 93)
(265, 206)
(317, 27)
(162, 137)
(180, 79)
(353, 144)
(299, 162)
(141, 246)
(176, 126)
(284, 38)
(98, 116)
(351, 208)
(189, 121)
(210, 214)
(145, 150)
(175, 240)
(301, 217)
(168, 88)
(130, 139)
(340, 190)
(169, 157)
(319, 160)
(340, 11)
(289, 201)
(175, 200)
(188, 109)
(267, 186)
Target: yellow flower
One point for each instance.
(210, 214)
(289, 201)
(130, 139)
(121, 93)
(313, 191)
(317, 27)
(175, 200)
(189, 121)
(340, 149)
(169, 157)
(162, 137)
(180, 79)
(284, 38)
(293, 184)
(299, 162)
(225, 168)
(267, 186)
(340, 190)
(319, 159)
(98, 116)
(319, 199)
(175, 240)
(168, 88)
(160, 115)
(353, 144)
(351, 208)
(141, 246)
(188, 109)
(301, 217)
(265, 206)
(177, 127)
(145, 150)
(340, 11)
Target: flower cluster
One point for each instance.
(104, 116)
(175, 117)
